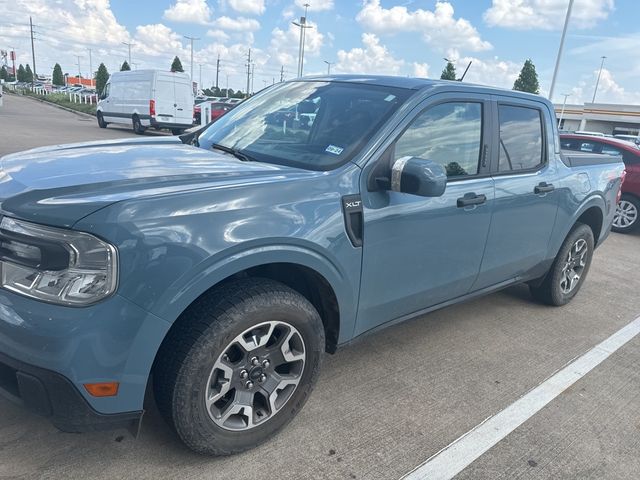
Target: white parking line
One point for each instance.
(459, 454)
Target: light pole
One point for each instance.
(191, 39)
(128, 45)
(595, 91)
(79, 72)
(302, 24)
(329, 67)
(90, 69)
(558, 58)
(564, 104)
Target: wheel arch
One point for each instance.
(308, 273)
(593, 217)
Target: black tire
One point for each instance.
(198, 341)
(177, 131)
(101, 122)
(137, 125)
(553, 289)
(627, 217)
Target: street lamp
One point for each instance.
(564, 34)
(302, 24)
(595, 91)
(564, 104)
(329, 66)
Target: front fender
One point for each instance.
(209, 273)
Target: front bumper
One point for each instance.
(53, 396)
(64, 348)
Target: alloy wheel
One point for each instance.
(574, 266)
(255, 376)
(626, 214)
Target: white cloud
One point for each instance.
(284, 43)
(157, 40)
(253, 7)
(372, 58)
(609, 91)
(239, 24)
(421, 70)
(316, 5)
(189, 11)
(493, 72)
(218, 35)
(546, 14)
(439, 27)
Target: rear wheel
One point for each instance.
(137, 125)
(239, 365)
(101, 122)
(626, 219)
(569, 269)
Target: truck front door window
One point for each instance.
(449, 134)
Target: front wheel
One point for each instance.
(101, 122)
(569, 269)
(625, 219)
(239, 365)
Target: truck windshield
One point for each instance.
(315, 125)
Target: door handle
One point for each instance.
(471, 199)
(543, 187)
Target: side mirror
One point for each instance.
(418, 176)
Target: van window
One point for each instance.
(521, 146)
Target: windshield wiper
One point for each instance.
(236, 153)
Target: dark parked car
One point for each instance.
(628, 211)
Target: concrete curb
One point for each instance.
(67, 109)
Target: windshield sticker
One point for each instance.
(389, 98)
(333, 149)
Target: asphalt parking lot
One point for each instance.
(27, 123)
(392, 400)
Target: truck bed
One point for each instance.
(572, 158)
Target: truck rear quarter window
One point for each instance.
(449, 134)
(521, 134)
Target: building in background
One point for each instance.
(611, 119)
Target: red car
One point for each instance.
(628, 211)
(217, 110)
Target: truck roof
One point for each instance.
(414, 83)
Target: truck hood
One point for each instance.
(59, 185)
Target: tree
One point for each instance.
(176, 65)
(449, 72)
(101, 78)
(28, 74)
(57, 78)
(4, 75)
(527, 81)
(125, 66)
(21, 73)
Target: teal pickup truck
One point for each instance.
(216, 268)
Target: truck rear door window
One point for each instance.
(521, 134)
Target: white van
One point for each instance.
(147, 98)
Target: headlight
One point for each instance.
(56, 265)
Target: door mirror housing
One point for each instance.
(418, 176)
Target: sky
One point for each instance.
(396, 37)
